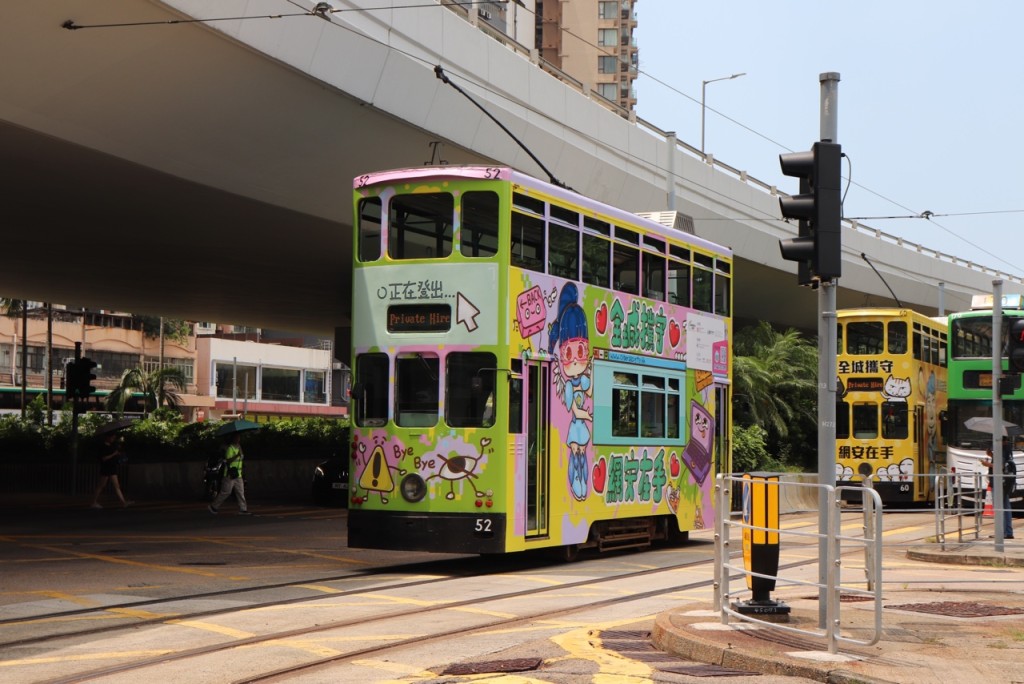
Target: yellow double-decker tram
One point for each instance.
(891, 390)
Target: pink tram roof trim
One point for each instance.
(507, 174)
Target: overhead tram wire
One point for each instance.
(439, 72)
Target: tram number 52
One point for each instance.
(483, 527)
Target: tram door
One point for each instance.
(922, 486)
(723, 443)
(538, 386)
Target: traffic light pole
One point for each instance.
(997, 413)
(826, 366)
(68, 392)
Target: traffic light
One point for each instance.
(817, 249)
(78, 377)
(86, 376)
(1015, 345)
(70, 377)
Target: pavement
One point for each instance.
(953, 614)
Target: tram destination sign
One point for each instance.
(419, 318)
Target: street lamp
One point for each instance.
(703, 108)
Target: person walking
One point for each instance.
(232, 481)
(113, 455)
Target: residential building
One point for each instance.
(227, 369)
(593, 42)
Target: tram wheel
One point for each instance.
(569, 553)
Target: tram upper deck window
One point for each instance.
(723, 288)
(563, 252)
(527, 234)
(469, 394)
(703, 283)
(596, 260)
(420, 226)
(416, 390)
(371, 390)
(626, 268)
(478, 234)
(654, 275)
(369, 218)
(679, 276)
(865, 337)
(972, 337)
(897, 337)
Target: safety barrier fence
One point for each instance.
(832, 544)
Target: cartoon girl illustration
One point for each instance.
(570, 334)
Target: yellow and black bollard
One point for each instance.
(761, 546)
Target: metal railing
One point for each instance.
(831, 540)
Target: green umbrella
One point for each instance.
(237, 426)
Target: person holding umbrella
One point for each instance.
(233, 457)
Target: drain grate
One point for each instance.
(492, 666)
(962, 609)
(844, 598)
(637, 645)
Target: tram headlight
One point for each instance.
(413, 488)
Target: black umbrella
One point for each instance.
(236, 426)
(114, 426)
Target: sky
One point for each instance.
(930, 105)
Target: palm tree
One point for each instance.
(159, 388)
(774, 374)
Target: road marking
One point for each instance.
(64, 658)
(210, 627)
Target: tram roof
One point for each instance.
(460, 171)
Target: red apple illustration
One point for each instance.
(601, 319)
(600, 475)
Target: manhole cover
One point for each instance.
(517, 665)
(962, 609)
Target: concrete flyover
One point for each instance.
(204, 169)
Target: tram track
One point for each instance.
(365, 623)
(146, 665)
(136, 621)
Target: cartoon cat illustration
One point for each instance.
(896, 389)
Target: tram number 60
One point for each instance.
(904, 487)
(483, 527)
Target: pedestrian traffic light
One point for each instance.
(1015, 345)
(817, 249)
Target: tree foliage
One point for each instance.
(159, 388)
(775, 377)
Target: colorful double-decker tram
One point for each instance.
(891, 392)
(531, 368)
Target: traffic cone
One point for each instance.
(988, 512)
